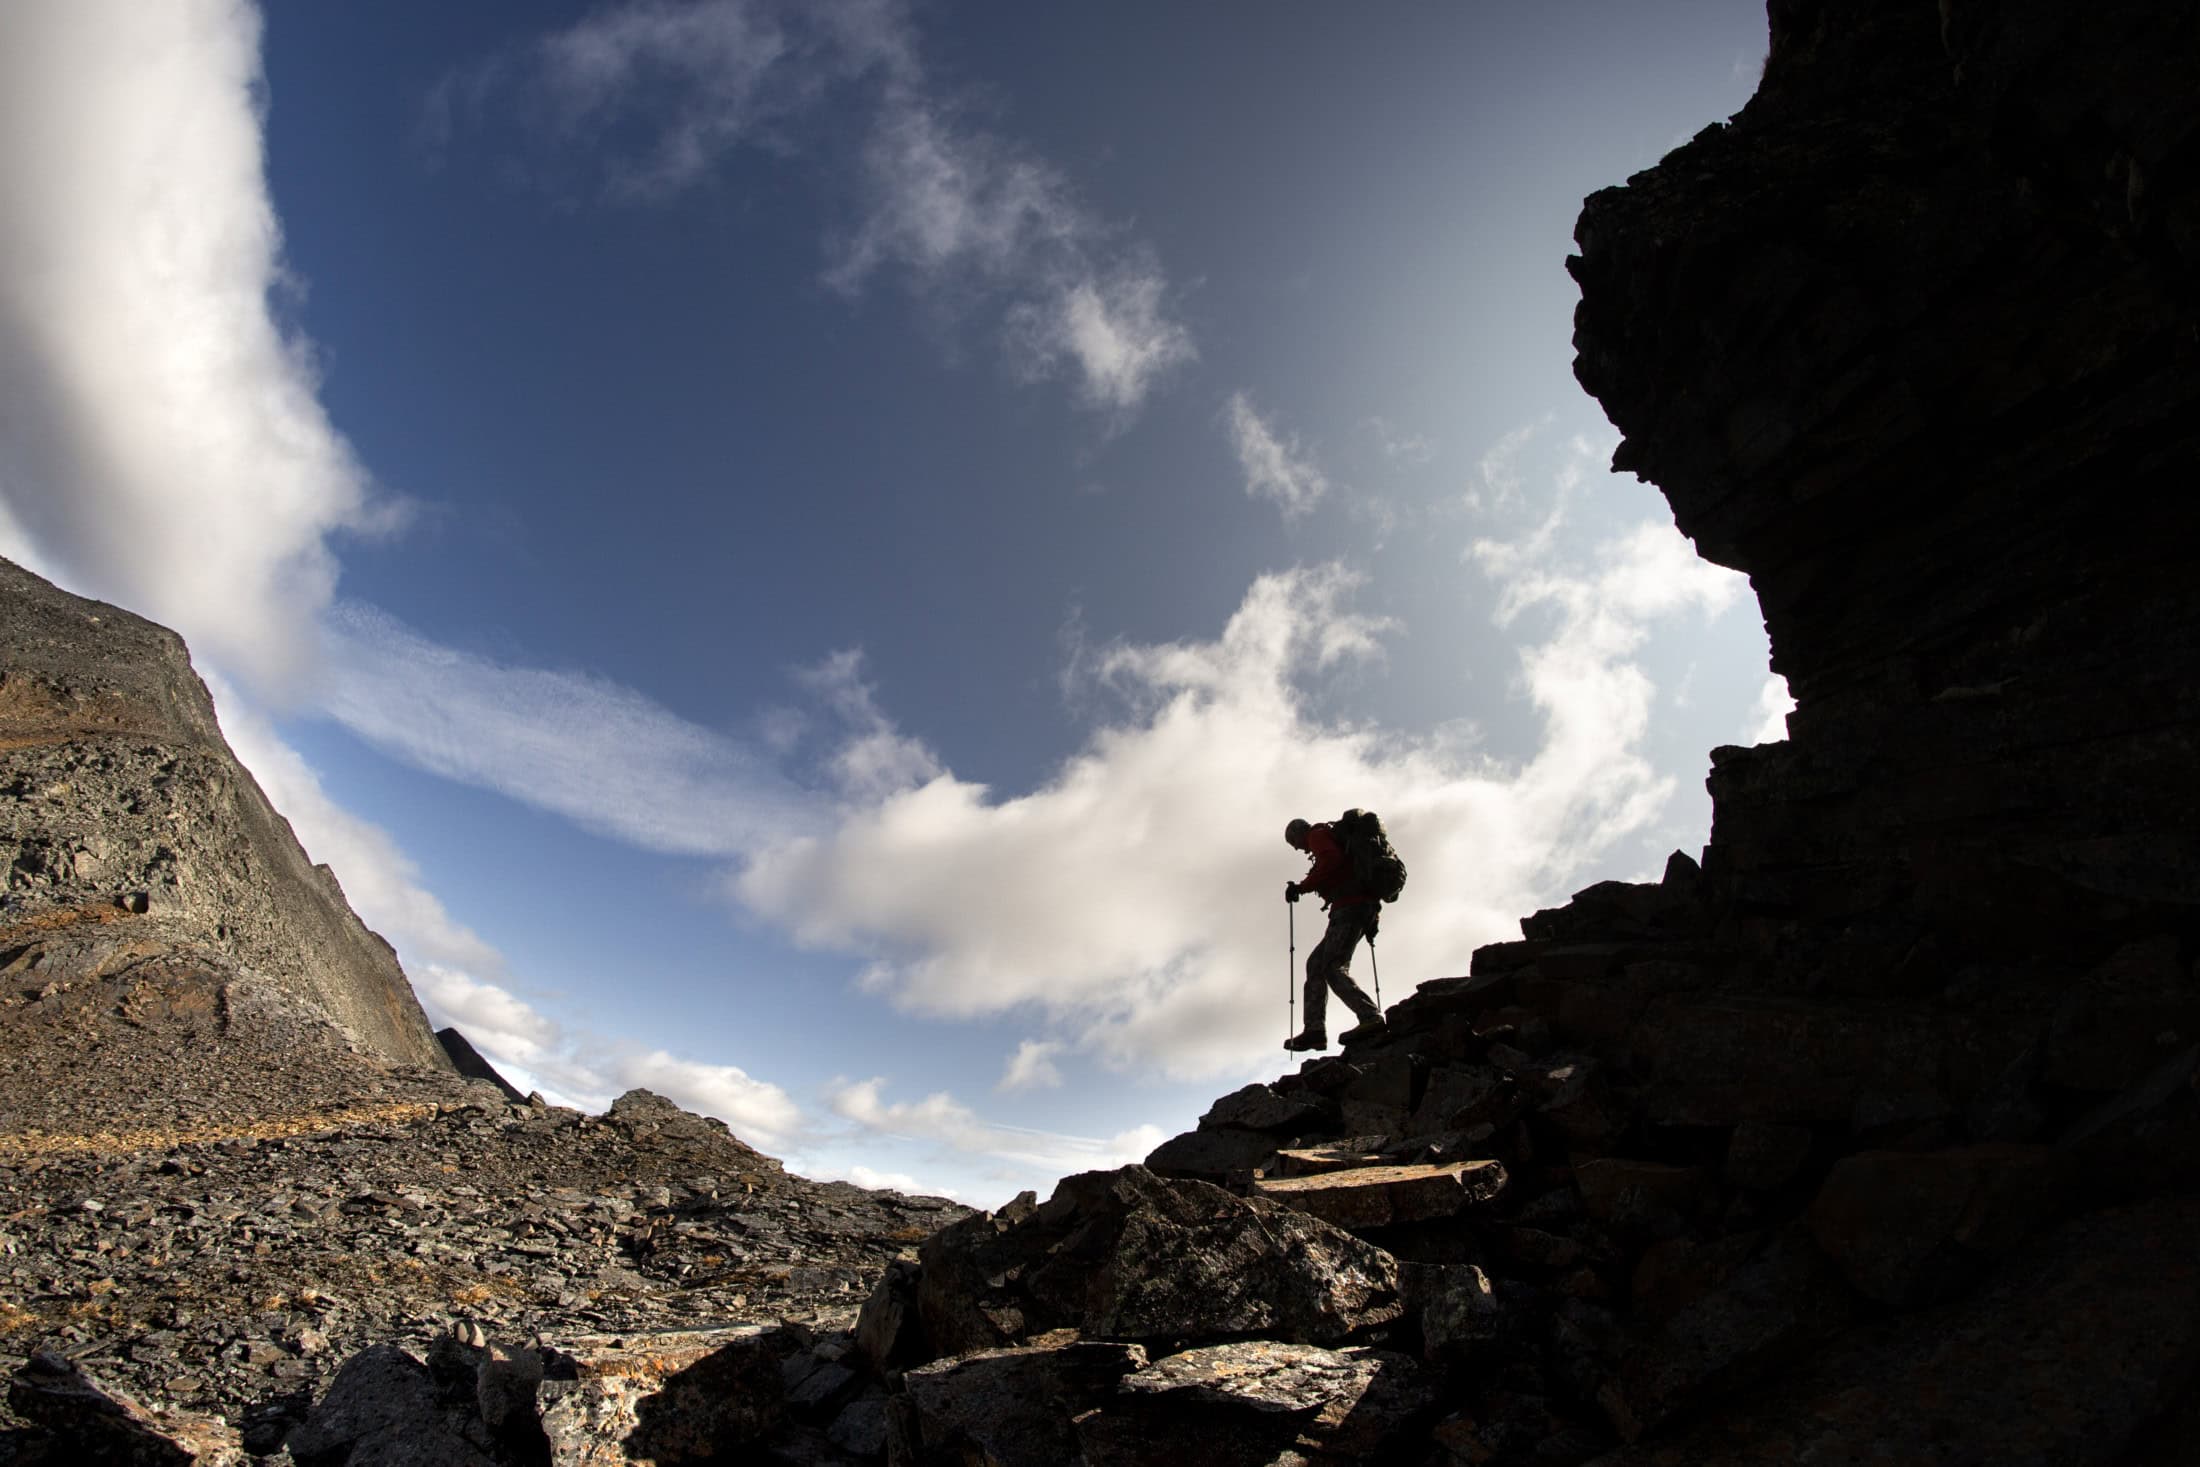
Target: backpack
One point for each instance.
(1376, 868)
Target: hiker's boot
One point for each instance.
(1374, 1026)
(1311, 1039)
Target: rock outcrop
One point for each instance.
(143, 861)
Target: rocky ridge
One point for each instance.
(140, 851)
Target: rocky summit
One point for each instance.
(1871, 1136)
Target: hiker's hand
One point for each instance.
(1290, 891)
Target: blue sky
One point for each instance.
(801, 555)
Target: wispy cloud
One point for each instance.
(1277, 467)
(604, 756)
(942, 1119)
(160, 439)
(659, 94)
(1407, 450)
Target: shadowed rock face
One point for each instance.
(1914, 342)
(141, 854)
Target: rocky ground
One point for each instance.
(209, 1200)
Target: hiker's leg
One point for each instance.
(1331, 964)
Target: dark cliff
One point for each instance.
(136, 844)
(1915, 342)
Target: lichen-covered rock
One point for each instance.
(81, 1420)
(1129, 1255)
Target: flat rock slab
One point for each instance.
(1377, 1196)
(1314, 1161)
(1258, 1375)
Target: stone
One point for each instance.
(383, 1405)
(1462, 1319)
(1641, 1196)
(76, 1412)
(1260, 1401)
(1453, 1092)
(887, 1330)
(2068, 1355)
(1763, 1157)
(1902, 1224)
(1262, 1108)
(1374, 1197)
(1768, 1310)
(1013, 1407)
(1212, 1154)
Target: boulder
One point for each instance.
(1007, 1408)
(92, 1423)
(1131, 1255)
(1263, 1108)
(1261, 1401)
(1214, 1153)
(1901, 1224)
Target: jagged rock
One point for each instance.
(887, 1331)
(1212, 1153)
(2064, 1358)
(1259, 1401)
(1769, 1310)
(1129, 1255)
(1646, 1197)
(92, 1423)
(1013, 1407)
(1463, 1321)
(1263, 1108)
(1374, 1197)
(1899, 1222)
(384, 1407)
(1762, 1157)
(468, 1061)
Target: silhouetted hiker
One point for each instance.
(1354, 913)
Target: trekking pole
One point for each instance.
(1290, 968)
(1375, 969)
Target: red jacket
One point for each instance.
(1331, 876)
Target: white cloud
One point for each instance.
(1774, 704)
(160, 439)
(1032, 1066)
(600, 754)
(941, 1118)
(1130, 901)
(1276, 468)
(875, 759)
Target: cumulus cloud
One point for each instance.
(1276, 467)
(874, 759)
(1774, 704)
(941, 1118)
(1032, 1066)
(1130, 899)
(586, 748)
(160, 439)
(661, 93)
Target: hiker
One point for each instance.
(1353, 914)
